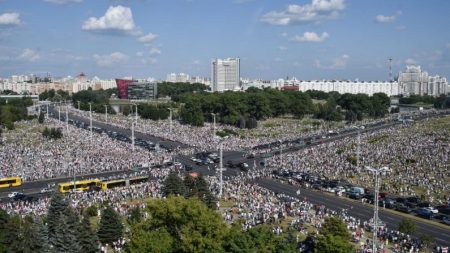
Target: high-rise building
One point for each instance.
(177, 78)
(414, 81)
(225, 74)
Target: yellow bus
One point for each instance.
(10, 181)
(122, 182)
(113, 183)
(81, 185)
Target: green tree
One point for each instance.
(41, 118)
(238, 241)
(332, 244)
(407, 226)
(191, 226)
(13, 238)
(198, 187)
(135, 215)
(31, 239)
(336, 227)
(173, 184)
(57, 209)
(86, 236)
(4, 230)
(111, 227)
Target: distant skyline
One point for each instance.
(308, 39)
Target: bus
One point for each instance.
(81, 185)
(10, 181)
(122, 182)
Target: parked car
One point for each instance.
(403, 208)
(13, 194)
(425, 213)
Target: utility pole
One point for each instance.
(67, 119)
(358, 148)
(59, 113)
(136, 113)
(47, 111)
(281, 154)
(106, 114)
(214, 124)
(170, 110)
(132, 135)
(221, 168)
(376, 221)
(90, 118)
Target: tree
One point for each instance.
(173, 184)
(333, 244)
(31, 239)
(407, 226)
(336, 227)
(13, 237)
(135, 215)
(41, 118)
(86, 237)
(177, 224)
(238, 241)
(198, 187)
(58, 206)
(111, 227)
(4, 230)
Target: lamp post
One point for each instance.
(281, 154)
(90, 118)
(67, 118)
(132, 135)
(59, 113)
(78, 104)
(214, 124)
(106, 113)
(375, 204)
(221, 168)
(170, 110)
(136, 114)
(47, 111)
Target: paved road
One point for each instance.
(360, 211)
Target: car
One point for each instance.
(446, 220)
(13, 194)
(188, 168)
(251, 156)
(46, 190)
(424, 213)
(403, 208)
(428, 206)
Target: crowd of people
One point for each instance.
(417, 156)
(27, 154)
(418, 161)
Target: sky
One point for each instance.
(306, 39)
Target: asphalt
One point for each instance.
(364, 212)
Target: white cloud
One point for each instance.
(148, 38)
(338, 63)
(29, 54)
(285, 34)
(116, 19)
(149, 61)
(139, 54)
(63, 1)
(410, 61)
(311, 37)
(10, 18)
(196, 62)
(385, 19)
(110, 59)
(316, 11)
(448, 45)
(154, 50)
(282, 48)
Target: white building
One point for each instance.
(225, 74)
(415, 81)
(177, 78)
(353, 87)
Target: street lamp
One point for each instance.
(214, 123)
(132, 135)
(67, 118)
(221, 165)
(136, 113)
(90, 118)
(375, 204)
(170, 109)
(358, 146)
(59, 112)
(106, 113)
(78, 105)
(281, 154)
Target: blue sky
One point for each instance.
(308, 39)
